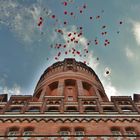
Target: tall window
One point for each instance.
(70, 90)
(13, 131)
(28, 131)
(130, 131)
(115, 131)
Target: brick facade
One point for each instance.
(69, 102)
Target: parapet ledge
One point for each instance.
(121, 98)
(20, 97)
(3, 97)
(136, 97)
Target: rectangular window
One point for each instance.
(79, 133)
(27, 133)
(130, 133)
(64, 132)
(12, 133)
(116, 132)
(70, 98)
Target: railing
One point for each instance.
(72, 137)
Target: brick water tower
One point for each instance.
(69, 103)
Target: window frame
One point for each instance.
(13, 131)
(117, 131)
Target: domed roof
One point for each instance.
(68, 64)
(65, 70)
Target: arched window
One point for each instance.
(17, 102)
(28, 131)
(39, 94)
(57, 102)
(92, 102)
(115, 131)
(85, 102)
(130, 131)
(127, 102)
(90, 109)
(87, 89)
(64, 131)
(34, 109)
(53, 109)
(103, 95)
(13, 131)
(79, 131)
(53, 87)
(71, 109)
(86, 85)
(50, 102)
(120, 102)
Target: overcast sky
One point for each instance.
(29, 32)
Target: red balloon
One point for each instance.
(40, 23)
(65, 3)
(69, 34)
(66, 52)
(41, 18)
(53, 16)
(64, 46)
(65, 12)
(59, 53)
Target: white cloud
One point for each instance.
(106, 80)
(93, 63)
(22, 19)
(15, 90)
(136, 31)
(82, 41)
(81, 46)
(129, 53)
(110, 89)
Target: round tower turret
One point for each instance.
(71, 80)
